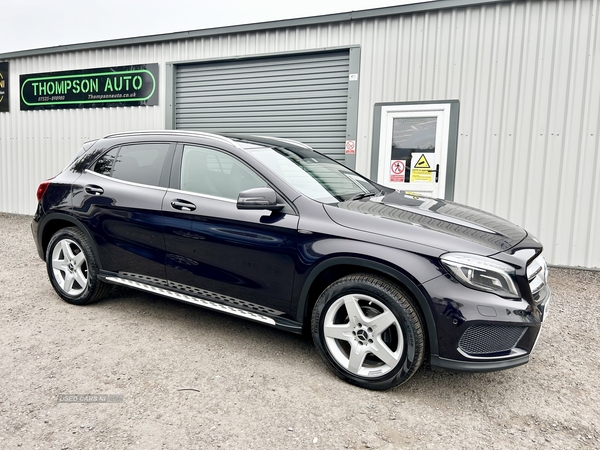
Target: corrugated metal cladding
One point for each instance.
(526, 74)
(303, 97)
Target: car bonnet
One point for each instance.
(434, 222)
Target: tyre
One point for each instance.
(368, 332)
(72, 268)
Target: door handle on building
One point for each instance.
(436, 170)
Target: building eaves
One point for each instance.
(260, 26)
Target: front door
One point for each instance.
(242, 257)
(413, 148)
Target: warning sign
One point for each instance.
(420, 171)
(422, 162)
(397, 171)
(350, 147)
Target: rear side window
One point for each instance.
(139, 163)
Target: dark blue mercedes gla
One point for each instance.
(272, 231)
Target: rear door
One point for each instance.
(119, 199)
(217, 251)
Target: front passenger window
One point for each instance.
(211, 172)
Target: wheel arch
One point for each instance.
(334, 268)
(54, 222)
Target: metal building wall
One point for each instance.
(525, 74)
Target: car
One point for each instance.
(270, 230)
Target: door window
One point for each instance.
(211, 172)
(412, 137)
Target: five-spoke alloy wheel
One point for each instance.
(69, 267)
(368, 331)
(72, 267)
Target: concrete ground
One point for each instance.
(195, 379)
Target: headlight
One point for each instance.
(482, 273)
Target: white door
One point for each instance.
(413, 149)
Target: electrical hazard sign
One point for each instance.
(420, 171)
(397, 170)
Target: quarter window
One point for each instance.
(140, 163)
(214, 173)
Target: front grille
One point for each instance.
(537, 275)
(490, 339)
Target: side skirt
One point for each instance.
(286, 324)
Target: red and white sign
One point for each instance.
(350, 147)
(397, 171)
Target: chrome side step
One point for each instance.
(193, 300)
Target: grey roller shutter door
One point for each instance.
(302, 97)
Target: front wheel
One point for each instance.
(72, 267)
(368, 332)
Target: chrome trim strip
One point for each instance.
(130, 183)
(536, 286)
(515, 352)
(534, 272)
(212, 197)
(193, 300)
(173, 133)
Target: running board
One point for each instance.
(198, 301)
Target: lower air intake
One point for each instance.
(484, 340)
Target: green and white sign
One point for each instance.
(135, 85)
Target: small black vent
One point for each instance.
(488, 339)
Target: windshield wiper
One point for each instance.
(366, 194)
(362, 195)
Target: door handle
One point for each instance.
(436, 170)
(94, 189)
(183, 205)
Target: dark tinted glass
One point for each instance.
(211, 172)
(140, 163)
(105, 164)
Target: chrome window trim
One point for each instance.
(130, 183)
(198, 194)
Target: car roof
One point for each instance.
(191, 133)
(233, 139)
(268, 141)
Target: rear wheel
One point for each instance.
(368, 332)
(72, 268)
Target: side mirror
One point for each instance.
(258, 198)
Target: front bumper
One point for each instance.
(481, 332)
(438, 363)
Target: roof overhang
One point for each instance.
(437, 5)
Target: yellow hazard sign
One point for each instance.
(420, 171)
(422, 163)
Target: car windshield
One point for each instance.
(313, 174)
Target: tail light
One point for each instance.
(42, 188)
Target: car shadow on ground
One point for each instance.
(172, 317)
